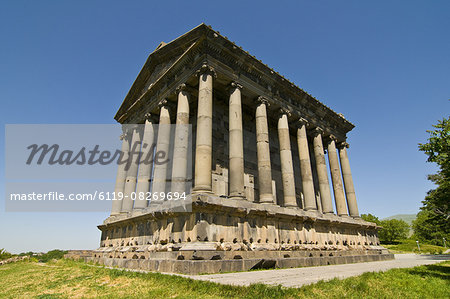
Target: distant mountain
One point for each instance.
(408, 218)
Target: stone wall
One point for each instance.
(226, 224)
(202, 262)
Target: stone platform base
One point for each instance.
(225, 234)
(228, 224)
(202, 262)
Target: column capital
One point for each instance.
(181, 87)
(317, 131)
(302, 122)
(162, 103)
(125, 129)
(262, 100)
(166, 104)
(342, 145)
(150, 117)
(235, 85)
(129, 128)
(331, 137)
(207, 69)
(282, 111)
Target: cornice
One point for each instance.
(210, 44)
(261, 73)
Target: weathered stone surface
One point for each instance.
(200, 246)
(261, 195)
(216, 262)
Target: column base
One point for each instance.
(268, 203)
(292, 207)
(202, 189)
(197, 192)
(345, 216)
(266, 199)
(313, 212)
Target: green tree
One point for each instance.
(29, 253)
(438, 148)
(433, 221)
(55, 254)
(393, 230)
(4, 254)
(371, 218)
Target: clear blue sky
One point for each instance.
(384, 64)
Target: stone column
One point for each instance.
(338, 188)
(162, 146)
(263, 152)
(287, 169)
(203, 147)
(133, 165)
(322, 175)
(305, 166)
(121, 175)
(236, 143)
(146, 164)
(348, 180)
(181, 142)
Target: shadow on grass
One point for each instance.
(438, 271)
(391, 243)
(437, 256)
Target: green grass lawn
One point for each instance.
(70, 279)
(410, 246)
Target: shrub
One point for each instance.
(29, 253)
(392, 230)
(52, 255)
(4, 254)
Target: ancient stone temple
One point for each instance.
(261, 194)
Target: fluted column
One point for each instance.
(287, 169)
(236, 143)
(305, 166)
(322, 175)
(162, 146)
(338, 188)
(181, 142)
(263, 152)
(348, 180)
(203, 147)
(121, 175)
(133, 165)
(146, 164)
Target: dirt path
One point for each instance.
(298, 277)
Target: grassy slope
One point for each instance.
(68, 279)
(411, 246)
(408, 218)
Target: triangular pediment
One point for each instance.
(170, 63)
(164, 57)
